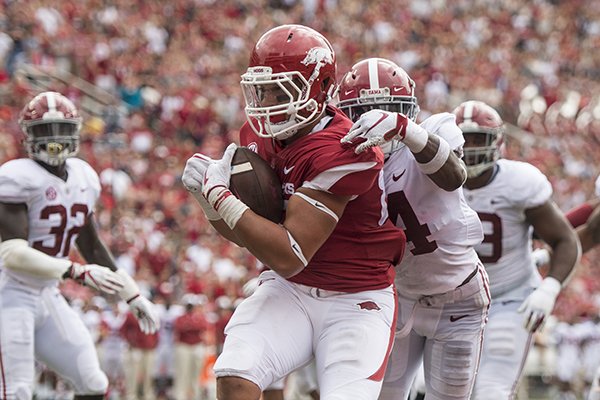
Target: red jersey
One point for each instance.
(189, 328)
(131, 332)
(362, 250)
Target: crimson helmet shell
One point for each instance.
(51, 124)
(476, 117)
(300, 63)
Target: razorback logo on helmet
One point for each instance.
(319, 56)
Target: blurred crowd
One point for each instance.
(173, 69)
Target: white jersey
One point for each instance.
(57, 209)
(598, 186)
(501, 205)
(441, 229)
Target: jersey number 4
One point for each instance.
(59, 230)
(415, 232)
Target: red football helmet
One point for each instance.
(51, 126)
(483, 130)
(377, 83)
(290, 79)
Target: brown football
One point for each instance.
(255, 183)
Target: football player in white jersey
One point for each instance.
(46, 205)
(442, 286)
(512, 199)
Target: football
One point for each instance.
(254, 182)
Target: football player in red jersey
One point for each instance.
(329, 292)
(443, 295)
(46, 206)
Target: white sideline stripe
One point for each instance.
(238, 169)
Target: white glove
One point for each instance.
(216, 189)
(540, 257)
(142, 308)
(96, 276)
(539, 304)
(192, 179)
(193, 173)
(218, 173)
(376, 127)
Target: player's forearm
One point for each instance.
(92, 248)
(566, 253)
(270, 243)
(98, 254)
(224, 230)
(441, 164)
(451, 175)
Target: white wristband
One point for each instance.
(229, 207)
(416, 137)
(209, 211)
(438, 161)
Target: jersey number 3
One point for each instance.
(415, 232)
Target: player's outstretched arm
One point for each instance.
(17, 255)
(452, 173)
(93, 249)
(433, 153)
(551, 226)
